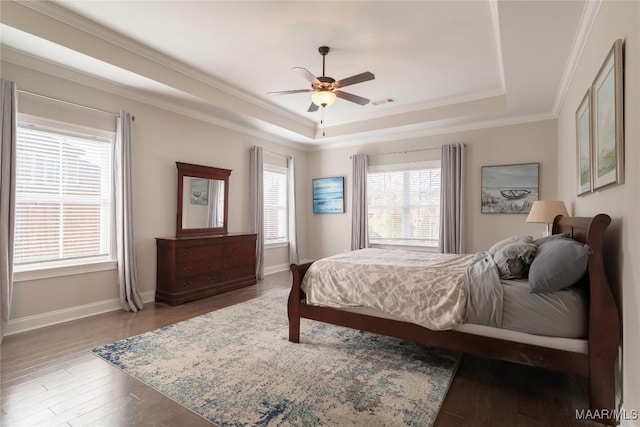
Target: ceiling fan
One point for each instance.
(326, 89)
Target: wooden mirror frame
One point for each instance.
(207, 172)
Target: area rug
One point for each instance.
(235, 367)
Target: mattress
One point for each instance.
(574, 345)
(558, 314)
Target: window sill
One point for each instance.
(276, 245)
(67, 270)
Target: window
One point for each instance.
(275, 204)
(64, 197)
(404, 204)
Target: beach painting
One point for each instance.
(509, 188)
(608, 124)
(328, 195)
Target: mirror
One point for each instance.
(203, 194)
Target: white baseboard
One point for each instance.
(276, 269)
(28, 323)
(282, 267)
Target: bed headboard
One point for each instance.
(604, 320)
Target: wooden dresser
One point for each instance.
(194, 267)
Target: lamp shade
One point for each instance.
(323, 98)
(545, 211)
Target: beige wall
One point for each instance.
(160, 138)
(523, 143)
(615, 20)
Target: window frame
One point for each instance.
(404, 167)
(278, 243)
(66, 267)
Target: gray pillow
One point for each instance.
(545, 239)
(513, 259)
(560, 263)
(509, 240)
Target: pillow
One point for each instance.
(513, 259)
(509, 240)
(560, 263)
(545, 239)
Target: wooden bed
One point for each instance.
(603, 336)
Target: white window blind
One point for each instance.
(275, 204)
(404, 206)
(63, 198)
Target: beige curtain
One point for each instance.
(291, 211)
(452, 199)
(359, 222)
(9, 118)
(257, 205)
(130, 299)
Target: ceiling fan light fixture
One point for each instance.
(323, 98)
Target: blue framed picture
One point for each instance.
(328, 195)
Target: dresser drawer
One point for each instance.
(194, 282)
(204, 266)
(238, 273)
(198, 253)
(238, 248)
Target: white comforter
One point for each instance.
(428, 289)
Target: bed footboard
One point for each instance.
(295, 296)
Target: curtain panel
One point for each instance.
(257, 205)
(452, 198)
(359, 223)
(291, 211)
(130, 299)
(9, 122)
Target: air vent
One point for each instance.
(383, 101)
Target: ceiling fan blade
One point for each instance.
(286, 92)
(306, 74)
(351, 97)
(313, 107)
(358, 78)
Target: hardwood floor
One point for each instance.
(49, 378)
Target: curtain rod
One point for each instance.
(404, 152)
(286, 156)
(70, 103)
(407, 151)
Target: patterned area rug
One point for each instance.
(235, 367)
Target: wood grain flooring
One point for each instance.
(49, 378)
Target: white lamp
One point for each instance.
(545, 211)
(323, 98)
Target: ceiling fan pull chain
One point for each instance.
(322, 120)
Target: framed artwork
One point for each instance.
(328, 195)
(583, 144)
(509, 188)
(199, 191)
(607, 122)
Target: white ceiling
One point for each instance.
(446, 64)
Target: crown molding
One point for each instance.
(411, 132)
(419, 107)
(585, 26)
(32, 62)
(81, 23)
(495, 20)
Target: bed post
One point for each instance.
(604, 321)
(295, 296)
(604, 325)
